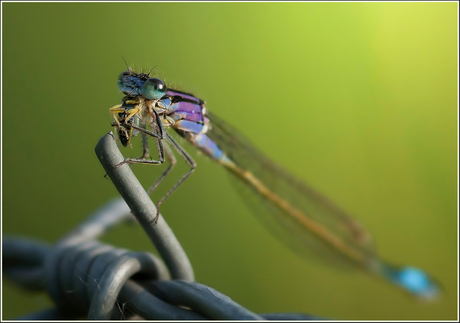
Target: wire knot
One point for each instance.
(87, 277)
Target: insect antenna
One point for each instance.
(148, 74)
(126, 63)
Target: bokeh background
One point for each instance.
(357, 99)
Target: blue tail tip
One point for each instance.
(416, 282)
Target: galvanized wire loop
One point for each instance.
(114, 278)
(85, 277)
(143, 208)
(91, 275)
(101, 282)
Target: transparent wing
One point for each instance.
(304, 219)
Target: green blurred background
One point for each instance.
(367, 97)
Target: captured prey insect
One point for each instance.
(309, 221)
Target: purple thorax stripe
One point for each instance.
(183, 95)
(187, 110)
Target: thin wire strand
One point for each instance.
(143, 209)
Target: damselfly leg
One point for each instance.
(172, 162)
(189, 161)
(163, 150)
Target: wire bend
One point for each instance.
(143, 209)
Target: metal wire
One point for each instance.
(85, 277)
(143, 208)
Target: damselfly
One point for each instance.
(309, 220)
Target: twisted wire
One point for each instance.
(101, 282)
(85, 277)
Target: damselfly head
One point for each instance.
(134, 84)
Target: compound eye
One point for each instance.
(121, 79)
(153, 89)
